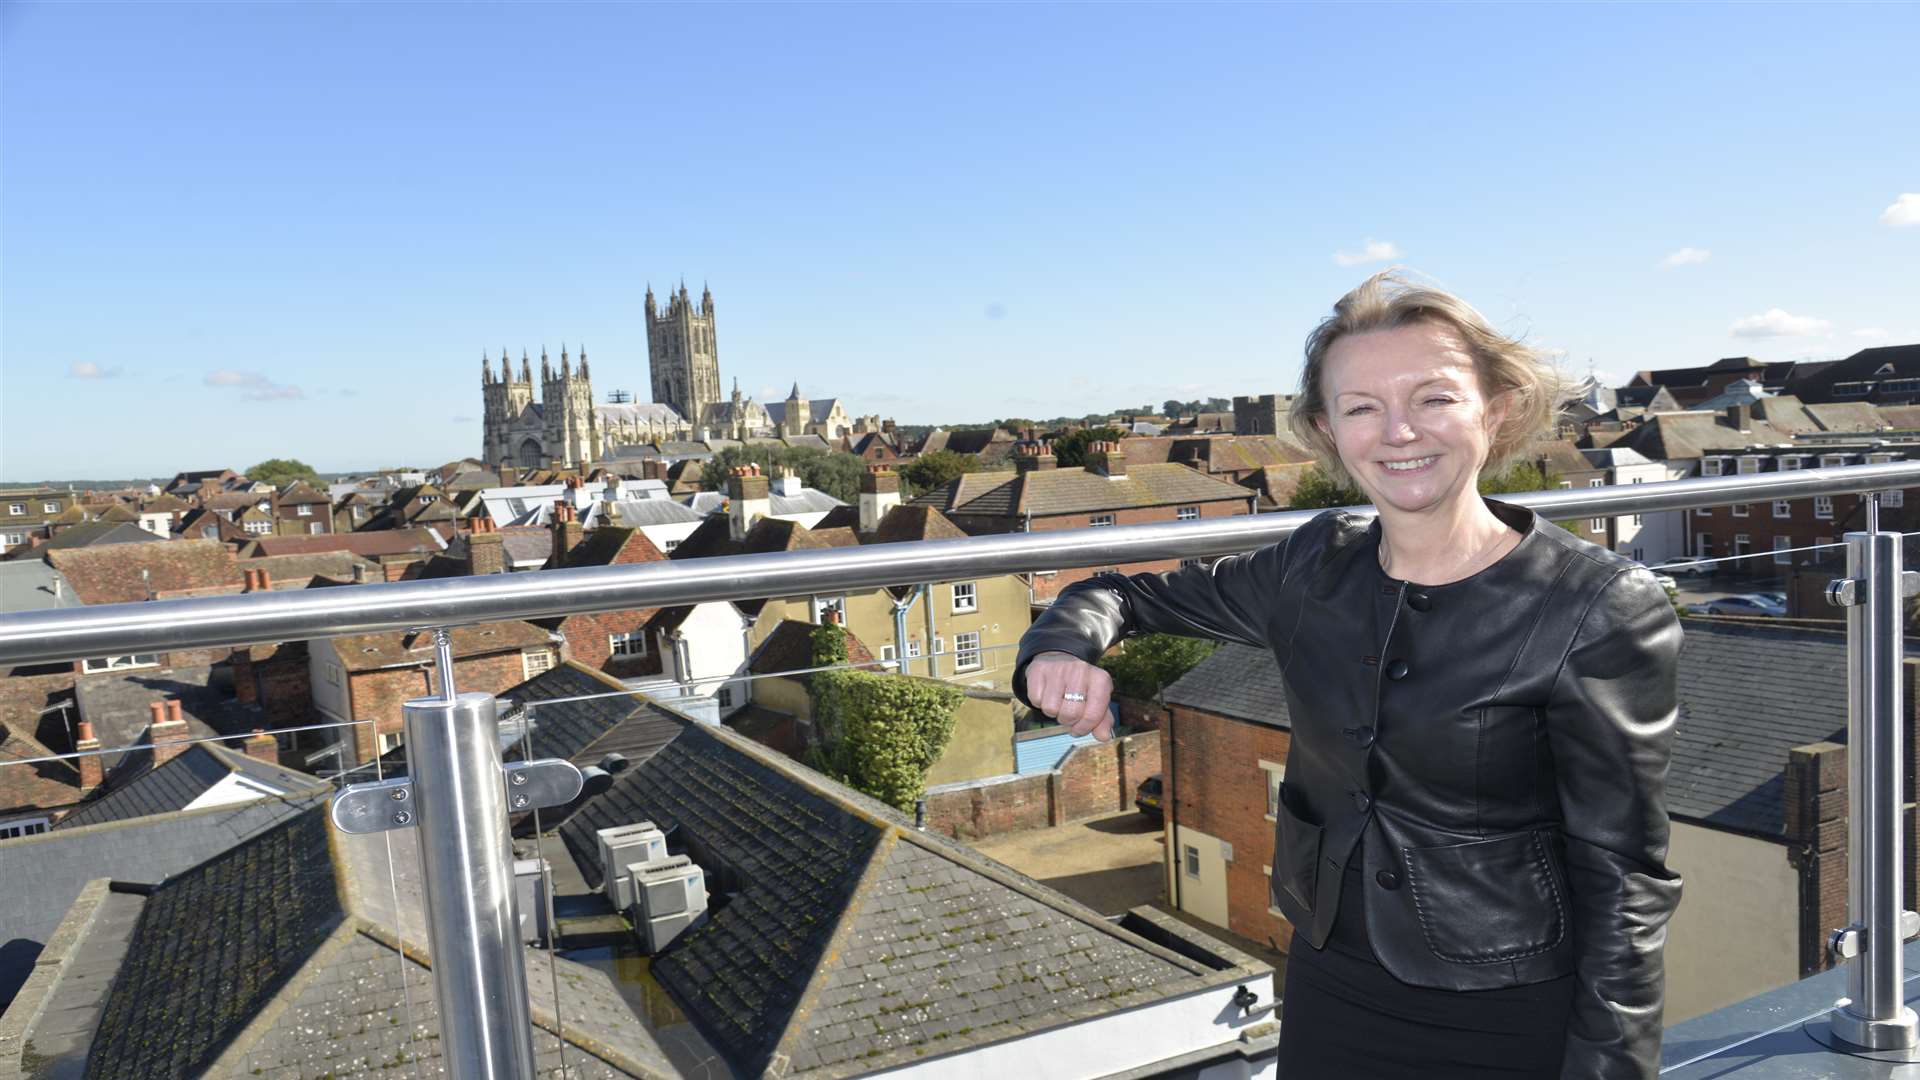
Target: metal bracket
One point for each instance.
(1846, 592)
(388, 804)
(1847, 941)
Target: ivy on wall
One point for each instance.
(877, 733)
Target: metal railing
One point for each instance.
(463, 827)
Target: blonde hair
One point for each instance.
(1388, 301)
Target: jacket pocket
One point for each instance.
(1487, 901)
(1296, 852)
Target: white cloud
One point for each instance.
(1686, 256)
(87, 369)
(1904, 211)
(1777, 323)
(1371, 251)
(257, 386)
(1871, 333)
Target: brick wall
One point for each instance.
(1093, 780)
(1816, 818)
(587, 642)
(276, 683)
(1051, 586)
(24, 697)
(379, 695)
(1220, 789)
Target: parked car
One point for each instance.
(1688, 567)
(1147, 797)
(1772, 598)
(1750, 604)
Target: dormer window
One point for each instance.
(1828, 461)
(1852, 389)
(1790, 462)
(1749, 465)
(1710, 466)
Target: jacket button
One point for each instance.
(1397, 670)
(1362, 735)
(1361, 800)
(1387, 879)
(1420, 601)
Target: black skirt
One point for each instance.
(1344, 1017)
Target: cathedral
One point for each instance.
(567, 428)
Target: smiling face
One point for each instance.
(1407, 413)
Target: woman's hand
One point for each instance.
(1071, 691)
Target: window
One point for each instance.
(1893, 497)
(1597, 525)
(913, 648)
(389, 742)
(1852, 389)
(16, 509)
(631, 643)
(1823, 507)
(1782, 508)
(824, 604)
(725, 697)
(1566, 483)
(1900, 386)
(49, 508)
(1827, 461)
(211, 532)
(1780, 546)
(1704, 511)
(1100, 519)
(1749, 465)
(966, 651)
(535, 661)
(886, 656)
(939, 646)
(259, 528)
(1703, 545)
(1597, 482)
(1636, 517)
(1742, 509)
(1192, 861)
(1790, 462)
(671, 544)
(10, 539)
(314, 528)
(1187, 513)
(965, 598)
(1184, 563)
(303, 510)
(121, 663)
(22, 827)
(1710, 466)
(1274, 774)
(1742, 543)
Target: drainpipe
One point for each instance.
(1172, 811)
(933, 658)
(900, 609)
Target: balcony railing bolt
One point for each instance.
(399, 795)
(519, 779)
(402, 818)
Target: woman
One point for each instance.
(1472, 835)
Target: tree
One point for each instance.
(1150, 663)
(1317, 491)
(938, 469)
(879, 733)
(282, 471)
(1520, 476)
(1070, 450)
(831, 471)
(1173, 407)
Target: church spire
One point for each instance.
(583, 361)
(506, 366)
(486, 369)
(526, 373)
(795, 396)
(566, 369)
(650, 306)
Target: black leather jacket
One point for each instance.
(1501, 743)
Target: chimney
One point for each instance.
(360, 575)
(486, 552)
(1034, 456)
(787, 483)
(611, 492)
(1107, 459)
(509, 476)
(167, 731)
(567, 533)
(747, 499)
(653, 469)
(93, 771)
(886, 427)
(879, 493)
(262, 747)
(1740, 417)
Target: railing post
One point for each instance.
(1873, 1015)
(466, 868)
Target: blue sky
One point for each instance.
(237, 231)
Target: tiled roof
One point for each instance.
(852, 943)
(913, 522)
(45, 784)
(235, 929)
(597, 717)
(370, 545)
(112, 574)
(1559, 457)
(790, 648)
(366, 652)
(175, 785)
(298, 571)
(44, 873)
(611, 545)
(1078, 491)
(1276, 483)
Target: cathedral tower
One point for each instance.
(566, 401)
(505, 399)
(682, 354)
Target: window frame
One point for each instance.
(1823, 507)
(1781, 554)
(961, 651)
(94, 665)
(972, 597)
(1186, 513)
(1100, 521)
(1782, 508)
(1276, 774)
(526, 662)
(622, 642)
(1190, 860)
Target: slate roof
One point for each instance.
(371, 545)
(96, 533)
(601, 717)
(175, 785)
(1237, 681)
(44, 873)
(298, 571)
(850, 942)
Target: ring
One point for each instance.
(1072, 696)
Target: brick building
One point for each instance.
(302, 511)
(615, 642)
(1038, 496)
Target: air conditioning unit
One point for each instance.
(670, 896)
(532, 884)
(621, 847)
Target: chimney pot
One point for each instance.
(156, 713)
(173, 705)
(86, 732)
